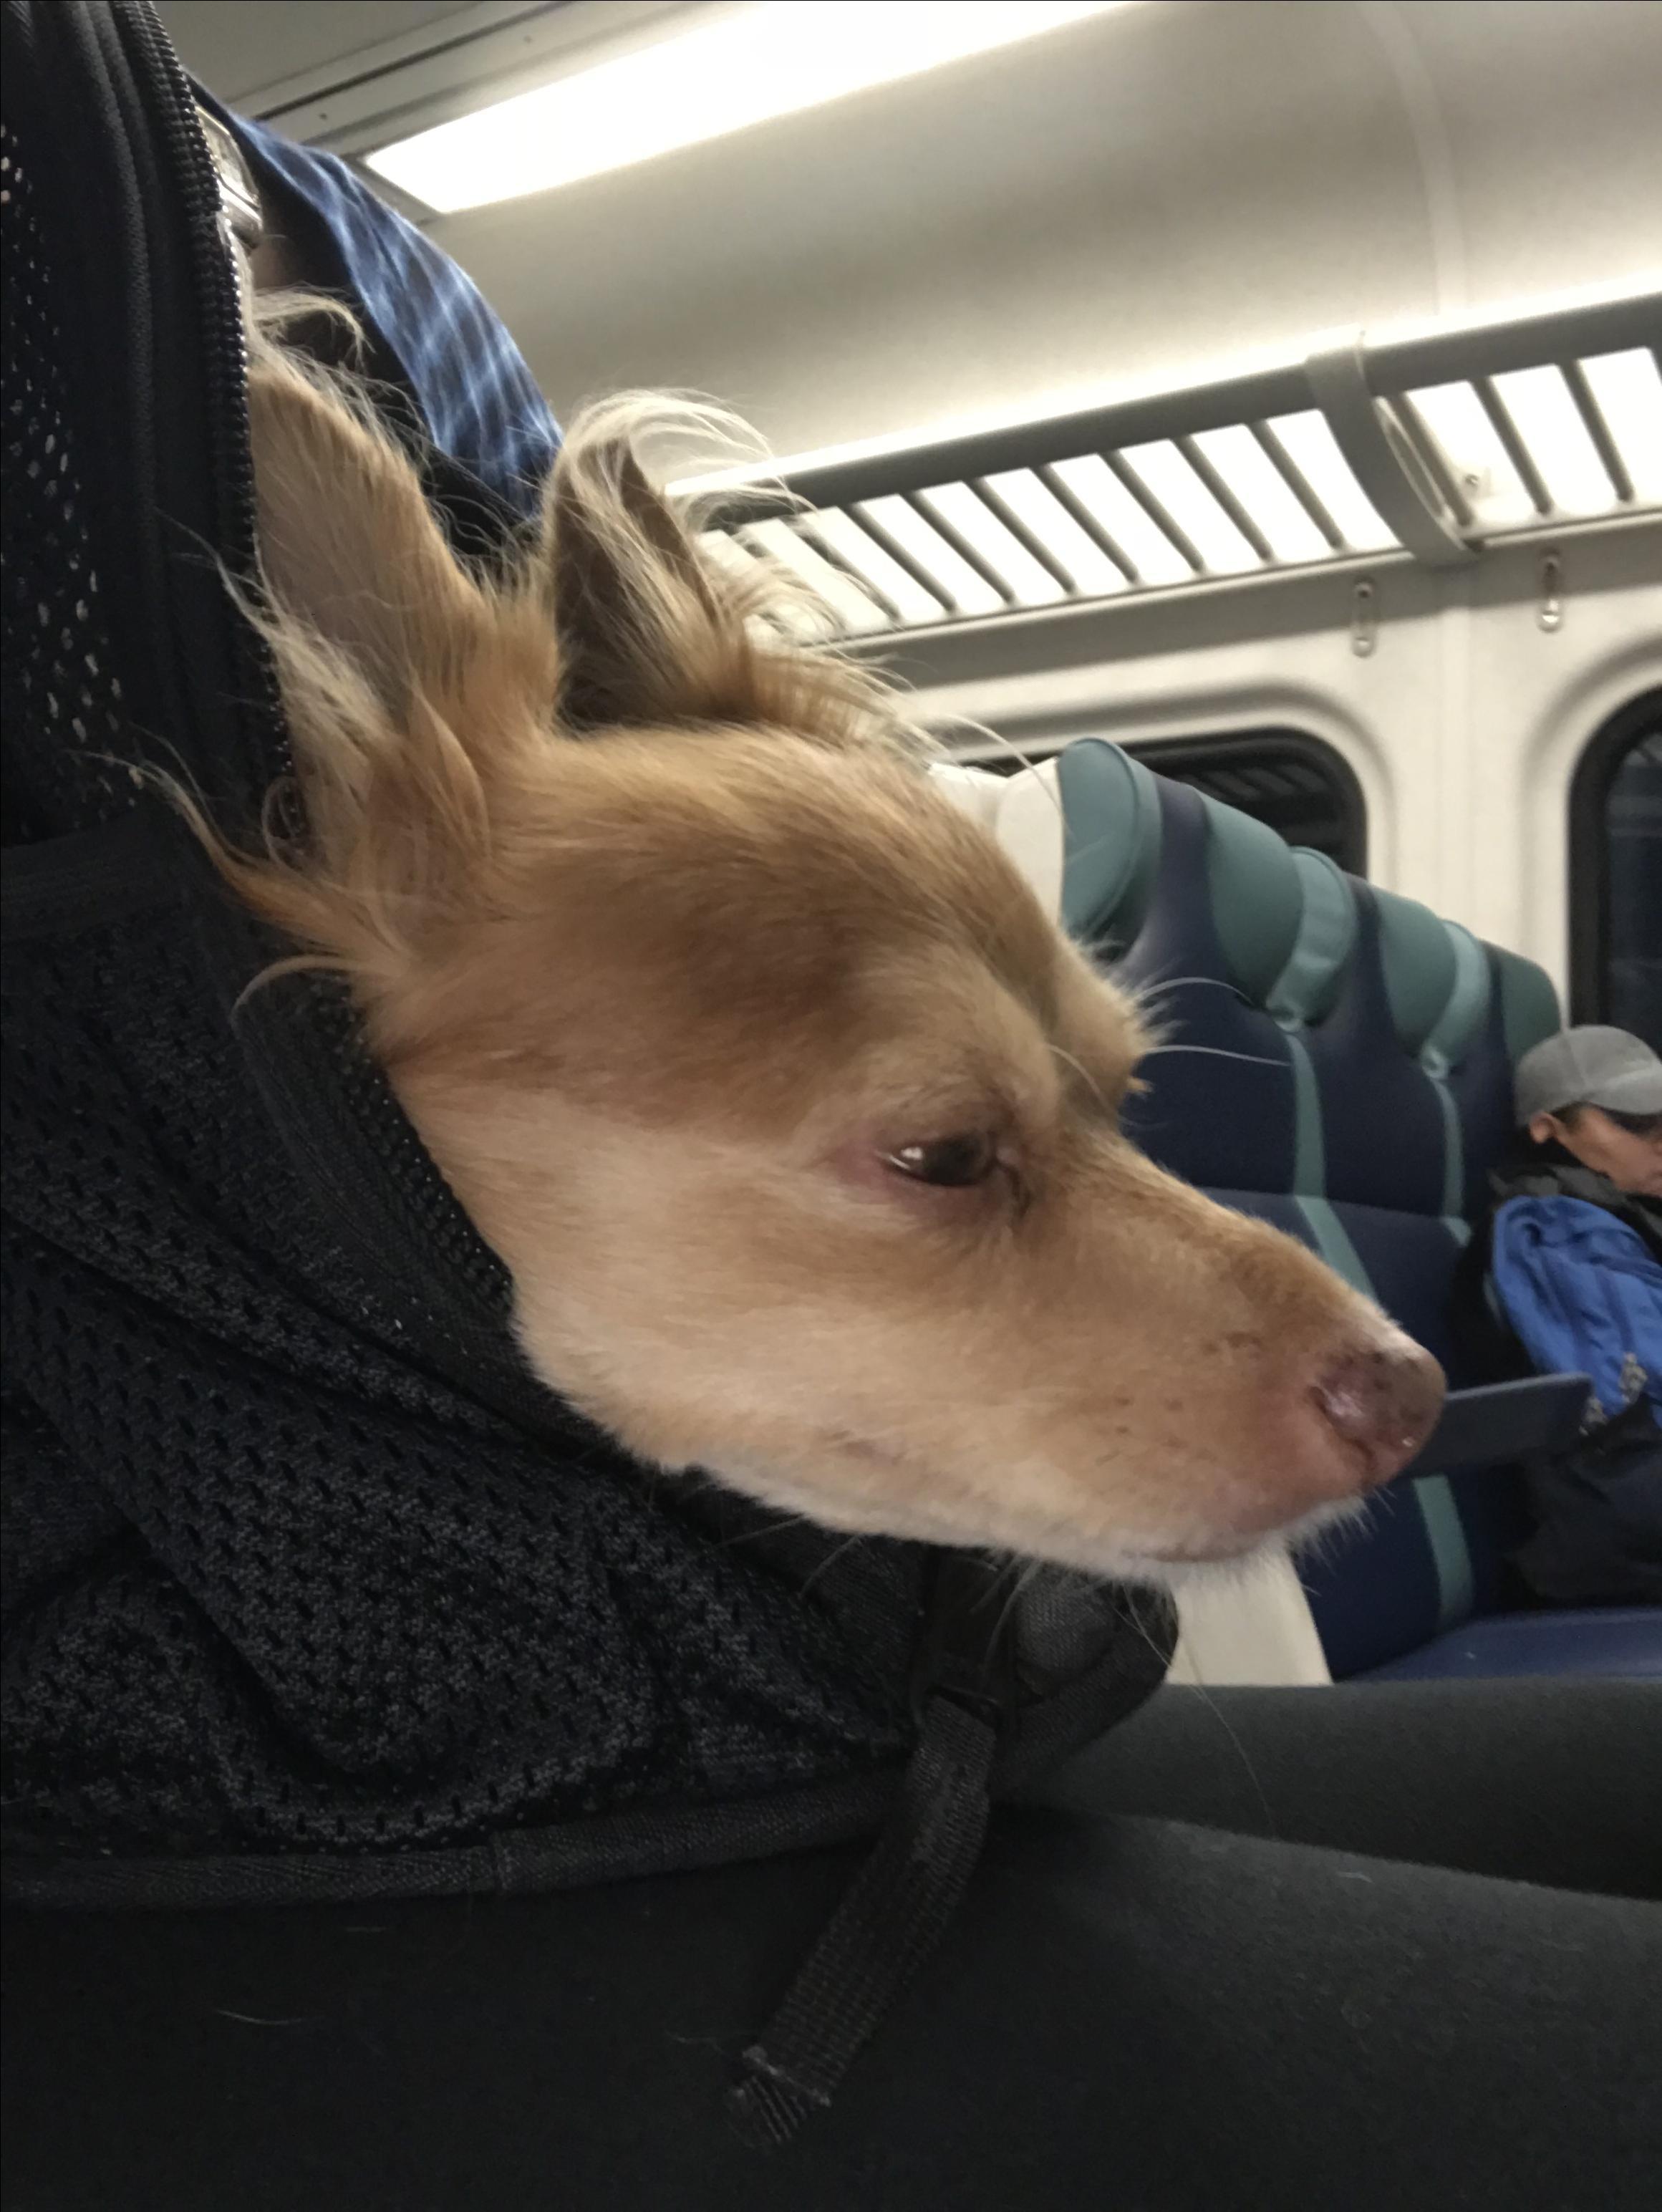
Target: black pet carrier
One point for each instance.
(312, 1589)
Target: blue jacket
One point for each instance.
(1582, 1294)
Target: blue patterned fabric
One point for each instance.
(479, 401)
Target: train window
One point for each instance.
(1305, 790)
(1616, 873)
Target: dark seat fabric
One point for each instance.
(1336, 1059)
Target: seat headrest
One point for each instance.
(1304, 990)
(1112, 808)
(1417, 960)
(1257, 898)
(1024, 813)
(1085, 829)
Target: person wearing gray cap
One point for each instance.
(1596, 1094)
(1564, 1274)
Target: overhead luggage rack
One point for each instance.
(1430, 444)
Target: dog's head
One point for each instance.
(794, 1116)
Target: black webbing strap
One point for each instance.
(885, 1928)
(903, 1897)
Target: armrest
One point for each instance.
(1503, 1421)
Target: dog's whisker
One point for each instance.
(1024, 760)
(1082, 1072)
(775, 1527)
(1160, 985)
(1217, 1052)
(831, 1560)
(1017, 1573)
(1222, 1720)
(1241, 1753)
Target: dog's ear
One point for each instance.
(646, 634)
(349, 548)
(651, 632)
(406, 685)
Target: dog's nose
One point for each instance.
(1386, 1401)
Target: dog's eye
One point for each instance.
(950, 1163)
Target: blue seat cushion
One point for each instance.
(1623, 1640)
(1331, 1058)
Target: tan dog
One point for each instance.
(792, 1115)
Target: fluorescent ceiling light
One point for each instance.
(1129, 525)
(1479, 461)
(1163, 470)
(969, 589)
(980, 529)
(856, 613)
(1029, 500)
(1628, 387)
(1539, 401)
(1314, 453)
(1251, 476)
(867, 558)
(745, 66)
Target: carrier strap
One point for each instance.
(903, 1897)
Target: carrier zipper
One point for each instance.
(308, 1057)
(225, 352)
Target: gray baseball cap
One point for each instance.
(1590, 1067)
